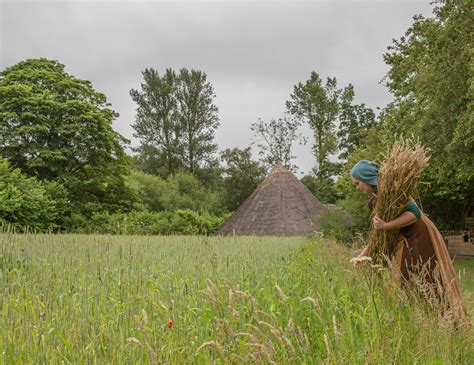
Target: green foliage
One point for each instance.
(372, 147)
(176, 119)
(354, 122)
(179, 222)
(26, 203)
(323, 107)
(338, 224)
(242, 175)
(58, 128)
(179, 191)
(198, 118)
(186, 192)
(275, 140)
(432, 77)
(318, 105)
(323, 189)
(156, 123)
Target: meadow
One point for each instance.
(196, 299)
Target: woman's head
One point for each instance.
(364, 175)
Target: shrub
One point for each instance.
(179, 191)
(27, 202)
(337, 223)
(180, 222)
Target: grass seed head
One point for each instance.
(134, 341)
(214, 344)
(281, 293)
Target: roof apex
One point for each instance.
(280, 206)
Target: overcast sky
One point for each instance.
(252, 52)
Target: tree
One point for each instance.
(198, 118)
(157, 123)
(242, 176)
(431, 76)
(58, 128)
(275, 140)
(318, 105)
(176, 119)
(354, 122)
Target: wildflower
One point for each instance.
(170, 323)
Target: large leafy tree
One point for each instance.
(175, 122)
(275, 140)
(56, 127)
(318, 105)
(432, 78)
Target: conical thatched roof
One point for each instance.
(280, 206)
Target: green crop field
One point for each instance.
(195, 299)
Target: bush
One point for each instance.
(179, 191)
(180, 222)
(27, 202)
(337, 223)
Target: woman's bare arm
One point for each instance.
(405, 219)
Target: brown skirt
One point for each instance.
(423, 253)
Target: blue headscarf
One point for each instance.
(366, 171)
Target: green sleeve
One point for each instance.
(413, 208)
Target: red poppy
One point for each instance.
(170, 323)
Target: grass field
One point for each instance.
(109, 299)
(465, 274)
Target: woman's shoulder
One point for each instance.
(414, 209)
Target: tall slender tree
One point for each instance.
(176, 120)
(318, 105)
(198, 118)
(157, 123)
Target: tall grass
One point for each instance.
(109, 299)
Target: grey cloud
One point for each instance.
(253, 53)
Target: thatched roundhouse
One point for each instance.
(280, 206)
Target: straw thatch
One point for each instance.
(280, 206)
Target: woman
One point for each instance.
(422, 252)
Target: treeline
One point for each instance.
(64, 168)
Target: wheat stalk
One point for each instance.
(398, 179)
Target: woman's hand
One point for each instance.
(379, 223)
(362, 256)
(405, 219)
(356, 264)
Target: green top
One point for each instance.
(413, 208)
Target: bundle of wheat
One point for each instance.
(398, 179)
